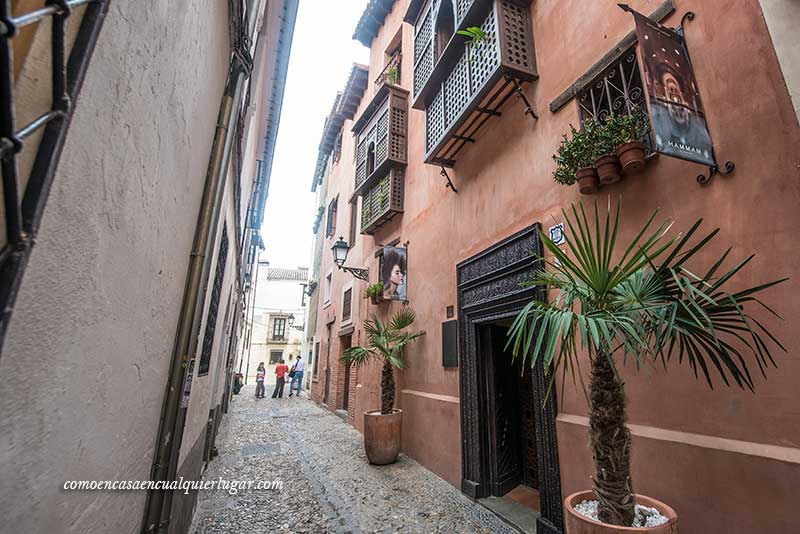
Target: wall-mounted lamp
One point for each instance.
(340, 250)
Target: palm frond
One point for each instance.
(646, 305)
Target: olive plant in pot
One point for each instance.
(629, 132)
(374, 293)
(604, 152)
(643, 304)
(385, 343)
(574, 158)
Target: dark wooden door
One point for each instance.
(327, 368)
(504, 414)
(346, 343)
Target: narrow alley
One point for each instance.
(328, 485)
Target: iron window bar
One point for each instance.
(24, 209)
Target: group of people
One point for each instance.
(281, 371)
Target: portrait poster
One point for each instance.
(394, 275)
(678, 121)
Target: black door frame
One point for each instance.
(490, 290)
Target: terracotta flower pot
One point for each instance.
(587, 180)
(608, 169)
(575, 523)
(382, 436)
(376, 299)
(631, 156)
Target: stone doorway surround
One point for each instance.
(490, 290)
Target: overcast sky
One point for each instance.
(322, 53)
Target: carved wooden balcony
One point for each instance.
(460, 85)
(381, 134)
(382, 201)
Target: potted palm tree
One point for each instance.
(641, 304)
(385, 343)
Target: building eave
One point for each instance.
(371, 20)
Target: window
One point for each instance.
(330, 228)
(316, 358)
(337, 149)
(370, 159)
(275, 356)
(278, 328)
(328, 287)
(445, 27)
(615, 91)
(213, 307)
(353, 221)
(347, 305)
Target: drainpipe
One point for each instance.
(165, 467)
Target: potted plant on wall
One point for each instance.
(374, 293)
(605, 151)
(385, 343)
(574, 159)
(629, 131)
(643, 304)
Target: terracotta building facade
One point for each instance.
(445, 149)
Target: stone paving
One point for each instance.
(328, 485)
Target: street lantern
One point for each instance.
(290, 320)
(340, 250)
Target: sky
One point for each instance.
(323, 52)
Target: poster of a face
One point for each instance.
(393, 273)
(677, 114)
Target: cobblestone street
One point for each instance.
(328, 485)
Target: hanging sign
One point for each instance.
(677, 116)
(394, 265)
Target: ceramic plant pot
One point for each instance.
(631, 156)
(588, 183)
(576, 523)
(382, 436)
(608, 170)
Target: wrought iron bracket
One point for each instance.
(702, 179)
(521, 95)
(361, 274)
(449, 181)
(688, 16)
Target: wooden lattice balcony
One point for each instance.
(382, 201)
(381, 133)
(459, 85)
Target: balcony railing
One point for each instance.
(381, 132)
(390, 73)
(468, 84)
(382, 202)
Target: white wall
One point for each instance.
(783, 21)
(88, 349)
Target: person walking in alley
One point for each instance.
(280, 380)
(260, 374)
(297, 376)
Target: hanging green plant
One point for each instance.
(475, 38)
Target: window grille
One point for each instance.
(24, 208)
(275, 356)
(347, 305)
(278, 329)
(213, 307)
(353, 222)
(615, 91)
(331, 226)
(316, 358)
(337, 149)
